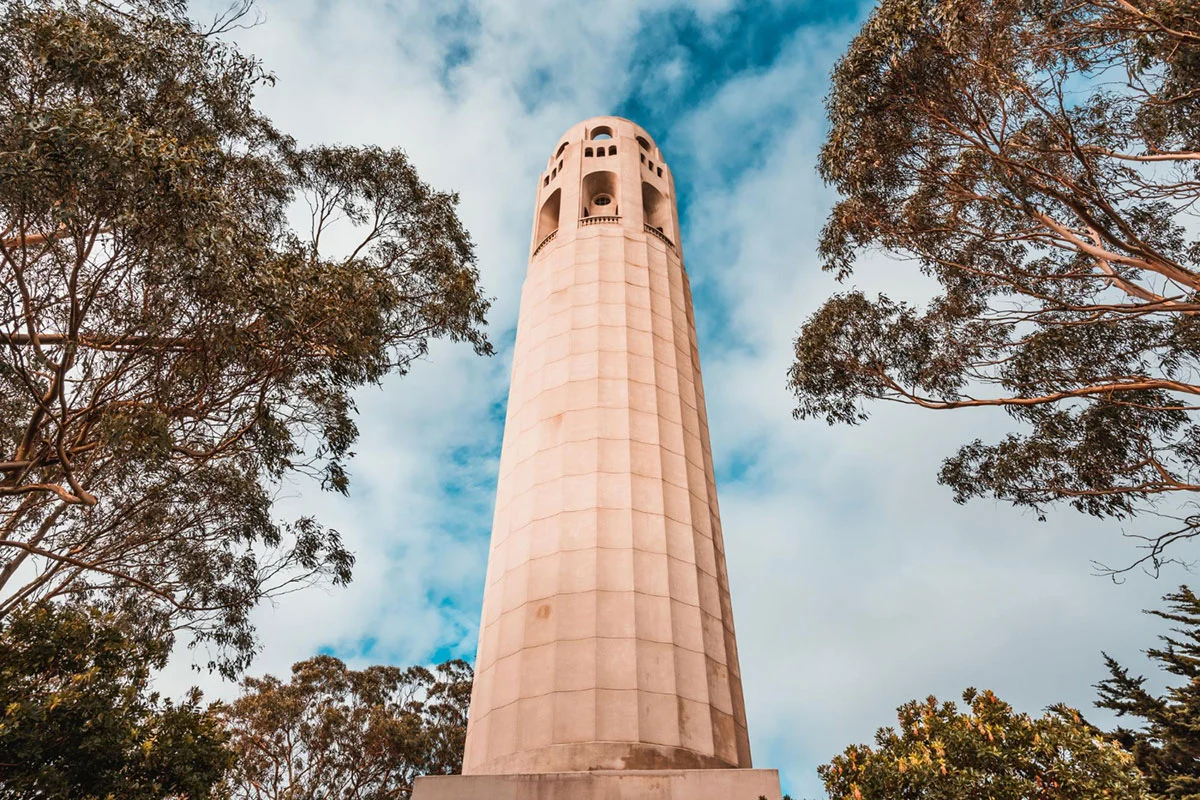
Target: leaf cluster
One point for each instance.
(985, 751)
(77, 719)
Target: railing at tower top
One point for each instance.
(544, 242)
(656, 232)
(608, 219)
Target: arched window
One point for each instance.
(643, 143)
(651, 165)
(554, 172)
(546, 182)
(643, 155)
(587, 153)
(655, 207)
(561, 147)
(548, 216)
(560, 166)
(602, 132)
(599, 194)
(612, 149)
(660, 172)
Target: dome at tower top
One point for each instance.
(602, 129)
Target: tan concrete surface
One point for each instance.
(607, 638)
(706, 784)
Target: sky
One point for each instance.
(857, 583)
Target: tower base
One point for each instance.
(667, 784)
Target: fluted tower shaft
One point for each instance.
(607, 639)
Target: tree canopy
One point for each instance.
(77, 719)
(356, 735)
(171, 348)
(1039, 159)
(940, 753)
(1166, 747)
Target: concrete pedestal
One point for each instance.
(674, 784)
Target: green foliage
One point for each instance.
(76, 720)
(170, 349)
(1039, 159)
(355, 735)
(989, 752)
(1167, 747)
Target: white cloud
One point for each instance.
(857, 583)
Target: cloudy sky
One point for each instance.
(857, 583)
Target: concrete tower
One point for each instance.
(607, 641)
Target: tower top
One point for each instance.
(605, 171)
(604, 128)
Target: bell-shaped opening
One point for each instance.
(656, 209)
(548, 216)
(599, 196)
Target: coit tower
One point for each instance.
(607, 637)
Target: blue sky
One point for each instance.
(857, 583)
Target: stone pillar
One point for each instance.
(607, 640)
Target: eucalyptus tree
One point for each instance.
(171, 346)
(331, 731)
(1039, 160)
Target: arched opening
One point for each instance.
(602, 132)
(655, 208)
(612, 149)
(587, 153)
(548, 216)
(642, 143)
(560, 166)
(546, 181)
(561, 148)
(643, 155)
(660, 172)
(599, 196)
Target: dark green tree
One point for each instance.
(170, 347)
(77, 720)
(987, 752)
(1167, 746)
(356, 735)
(1040, 161)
